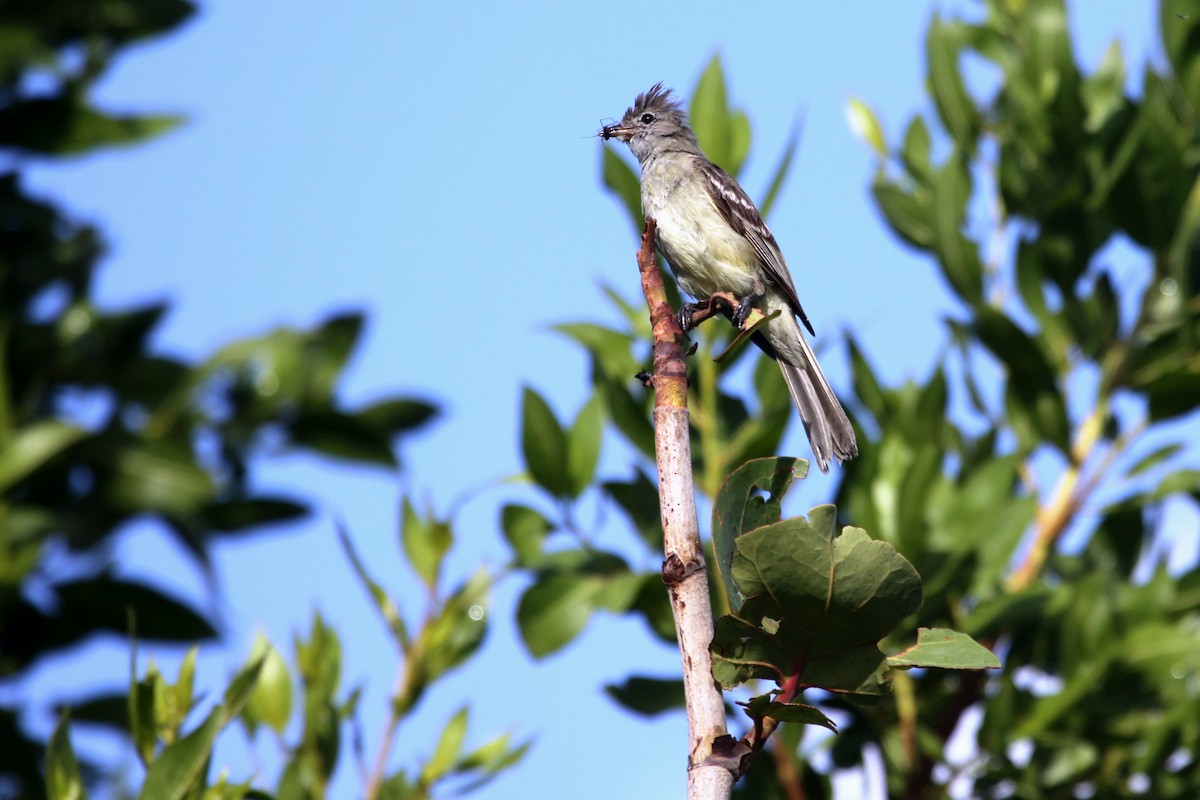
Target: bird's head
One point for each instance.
(655, 118)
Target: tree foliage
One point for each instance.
(1034, 512)
(99, 427)
(1030, 512)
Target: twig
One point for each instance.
(710, 776)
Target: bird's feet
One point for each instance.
(688, 310)
(741, 312)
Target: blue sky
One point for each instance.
(431, 164)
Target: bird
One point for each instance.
(715, 240)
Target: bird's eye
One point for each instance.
(647, 119)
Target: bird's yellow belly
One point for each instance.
(706, 255)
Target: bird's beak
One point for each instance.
(622, 132)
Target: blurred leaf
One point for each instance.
(60, 126)
(32, 447)
(916, 151)
(938, 647)
(1031, 378)
(741, 506)
(110, 710)
(63, 780)
(867, 388)
(647, 697)
(954, 105)
(448, 747)
(1104, 90)
(654, 607)
(724, 133)
(342, 436)
(173, 703)
(782, 170)
(1179, 26)
(103, 604)
(908, 213)
(638, 498)
(611, 350)
(865, 126)
(555, 609)
(490, 759)
(158, 476)
(958, 256)
(242, 513)
(1154, 458)
(526, 530)
(270, 702)
(544, 444)
(459, 629)
(180, 769)
(383, 602)
(629, 411)
(426, 542)
(583, 444)
(142, 719)
(390, 417)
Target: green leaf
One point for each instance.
(251, 512)
(1103, 92)
(1032, 383)
(610, 350)
(867, 387)
(740, 507)
(544, 444)
(525, 529)
(958, 256)
(648, 697)
(817, 604)
(555, 609)
(383, 602)
(798, 713)
(448, 747)
(159, 476)
(271, 701)
(490, 758)
(426, 542)
(946, 649)
(180, 769)
(1179, 26)
(583, 444)
(907, 213)
(724, 134)
(916, 151)
(63, 779)
(460, 628)
(32, 447)
(340, 435)
(143, 721)
(782, 170)
(174, 703)
(638, 498)
(954, 105)
(393, 416)
(88, 606)
(61, 126)
(865, 125)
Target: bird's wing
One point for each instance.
(739, 211)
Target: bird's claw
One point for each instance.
(686, 312)
(744, 307)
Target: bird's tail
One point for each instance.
(829, 430)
